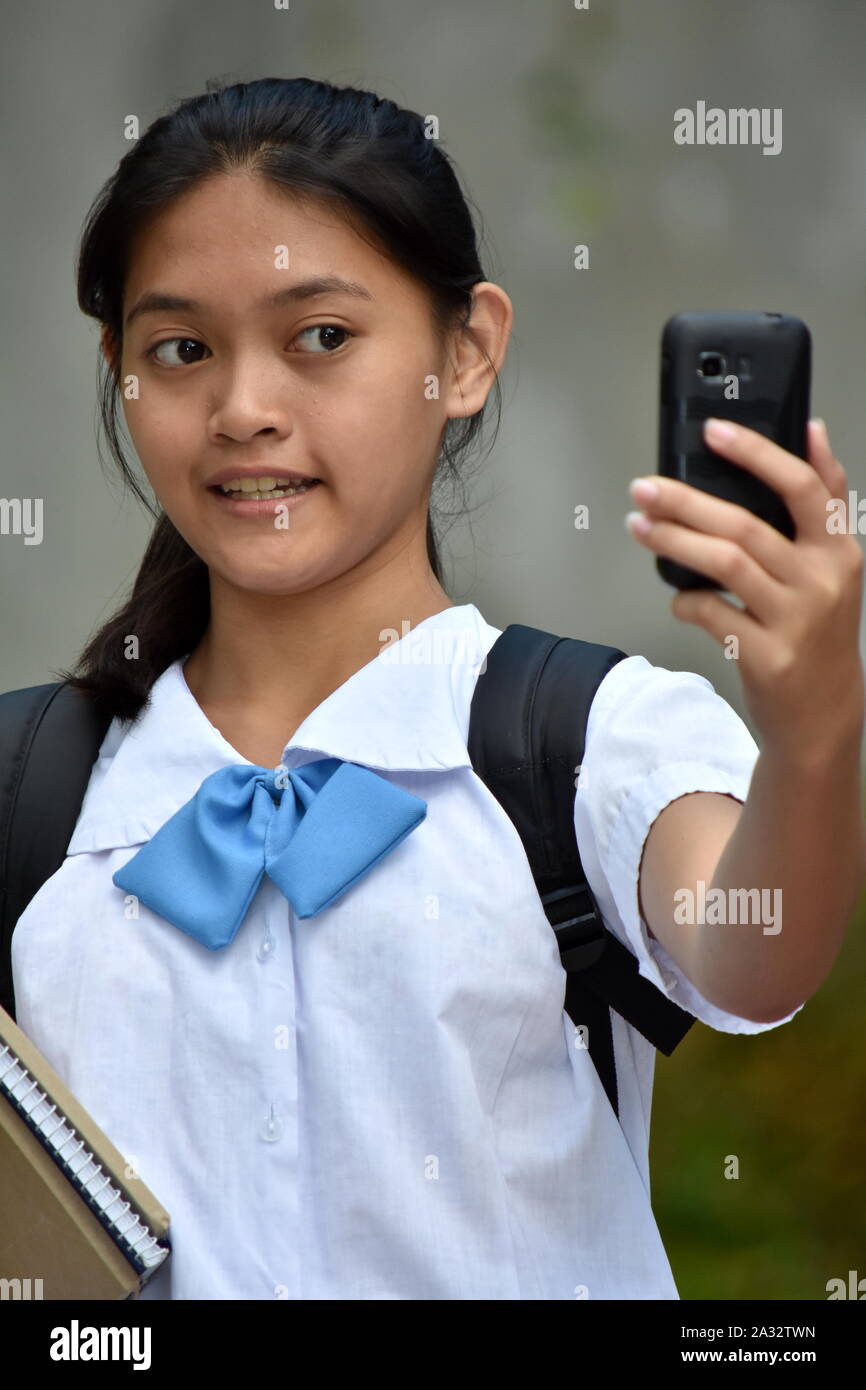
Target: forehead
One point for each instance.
(243, 231)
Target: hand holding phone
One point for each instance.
(750, 367)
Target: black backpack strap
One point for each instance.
(526, 739)
(49, 740)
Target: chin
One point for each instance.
(275, 581)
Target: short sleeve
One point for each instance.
(654, 735)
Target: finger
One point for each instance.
(723, 560)
(802, 489)
(823, 460)
(720, 618)
(691, 506)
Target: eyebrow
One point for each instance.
(159, 302)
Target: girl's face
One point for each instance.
(328, 383)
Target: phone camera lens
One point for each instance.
(711, 364)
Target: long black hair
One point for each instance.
(372, 159)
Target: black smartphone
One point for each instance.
(750, 367)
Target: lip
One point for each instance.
(263, 507)
(226, 475)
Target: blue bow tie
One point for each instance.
(314, 831)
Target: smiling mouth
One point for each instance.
(260, 493)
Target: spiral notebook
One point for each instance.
(73, 1224)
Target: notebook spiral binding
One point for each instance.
(144, 1250)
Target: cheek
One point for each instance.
(163, 441)
(385, 434)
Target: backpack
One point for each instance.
(526, 740)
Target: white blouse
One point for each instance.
(386, 1100)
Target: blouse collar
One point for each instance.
(406, 709)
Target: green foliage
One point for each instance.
(578, 147)
(791, 1105)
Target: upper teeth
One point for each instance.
(260, 484)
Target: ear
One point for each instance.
(491, 319)
(110, 350)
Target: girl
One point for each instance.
(352, 1076)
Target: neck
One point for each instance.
(267, 660)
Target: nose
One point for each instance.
(250, 398)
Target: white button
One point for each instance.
(272, 1129)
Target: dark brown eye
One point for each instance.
(185, 346)
(329, 328)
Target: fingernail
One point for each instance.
(719, 429)
(636, 521)
(643, 489)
